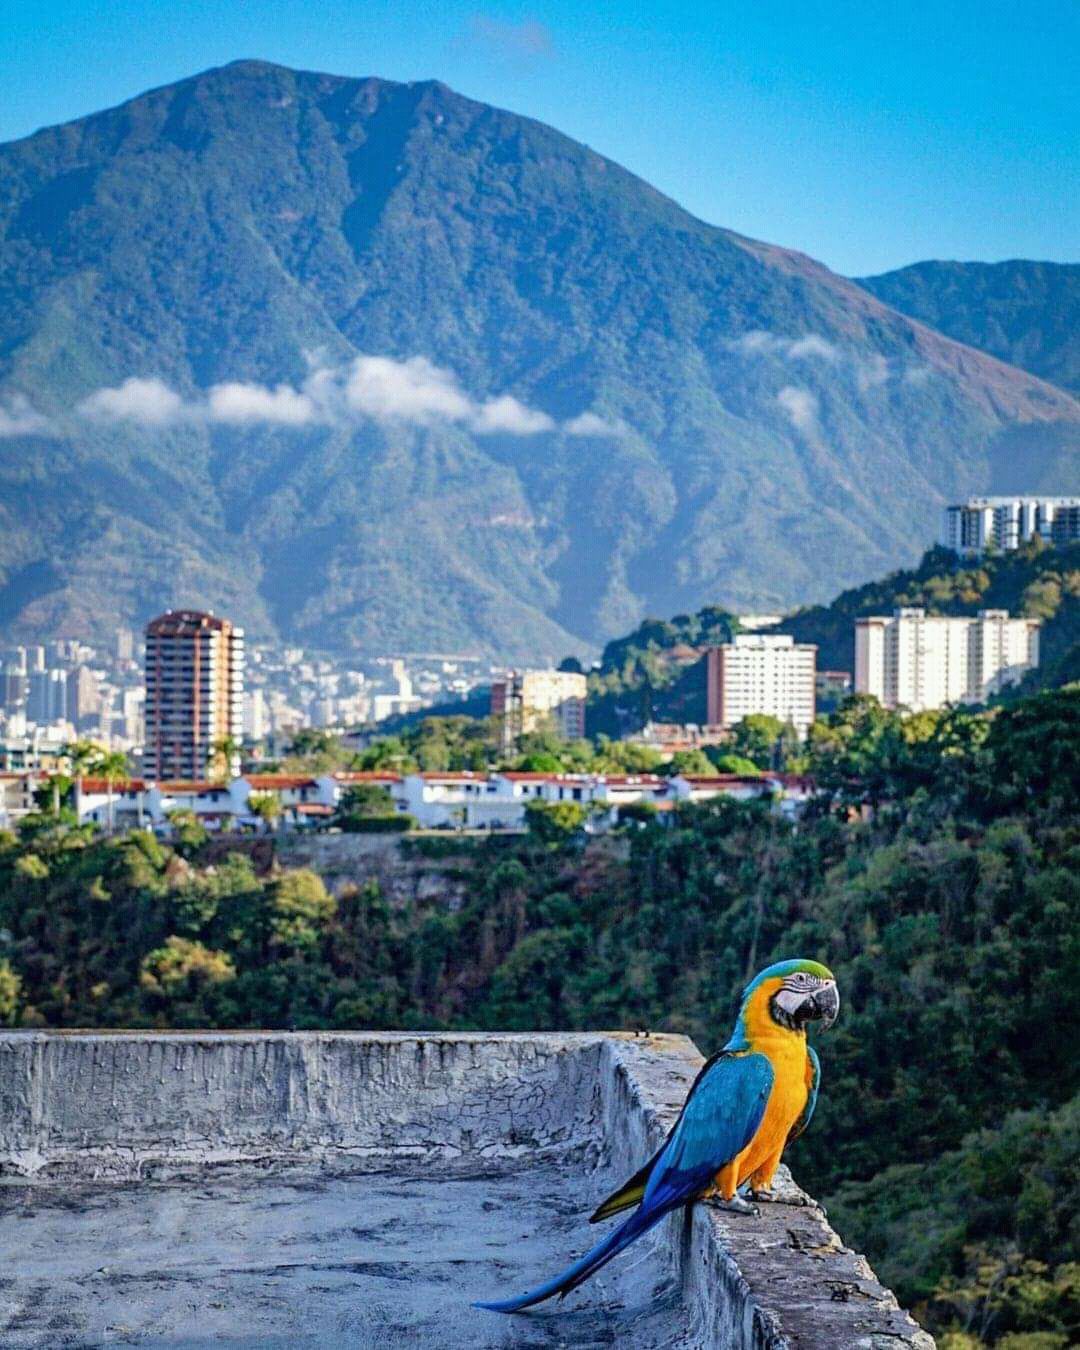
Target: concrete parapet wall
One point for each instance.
(121, 1104)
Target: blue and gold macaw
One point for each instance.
(746, 1105)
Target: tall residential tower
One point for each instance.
(761, 673)
(194, 694)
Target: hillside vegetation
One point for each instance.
(587, 405)
(937, 875)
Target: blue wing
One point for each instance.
(813, 1083)
(720, 1118)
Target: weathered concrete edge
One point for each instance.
(113, 1104)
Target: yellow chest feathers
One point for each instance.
(786, 1052)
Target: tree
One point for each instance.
(223, 755)
(759, 737)
(554, 822)
(731, 763)
(363, 803)
(267, 806)
(81, 756)
(188, 830)
(10, 989)
(692, 762)
(112, 765)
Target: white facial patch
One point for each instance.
(791, 1000)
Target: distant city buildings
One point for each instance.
(194, 693)
(761, 673)
(400, 700)
(918, 661)
(1007, 522)
(526, 698)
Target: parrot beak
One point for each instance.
(827, 1003)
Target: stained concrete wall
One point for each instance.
(123, 1104)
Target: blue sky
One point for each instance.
(867, 134)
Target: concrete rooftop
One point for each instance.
(263, 1189)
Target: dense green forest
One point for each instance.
(937, 874)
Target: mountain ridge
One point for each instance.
(1021, 310)
(637, 411)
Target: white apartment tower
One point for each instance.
(918, 661)
(194, 693)
(526, 697)
(1008, 522)
(761, 673)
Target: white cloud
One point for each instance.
(812, 346)
(588, 424)
(755, 341)
(800, 407)
(148, 401)
(917, 375)
(415, 390)
(18, 418)
(871, 372)
(238, 403)
(508, 415)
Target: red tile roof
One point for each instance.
(96, 785)
(268, 782)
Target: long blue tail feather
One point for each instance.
(639, 1222)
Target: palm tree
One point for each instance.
(222, 755)
(113, 766)
(81, 756)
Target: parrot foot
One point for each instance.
(736, 1205)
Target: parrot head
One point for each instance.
(798, 992)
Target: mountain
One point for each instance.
(1026, 313)
(373, 366)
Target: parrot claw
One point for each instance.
(736, 1205)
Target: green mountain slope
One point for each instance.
(1026, 313)
(699, 417)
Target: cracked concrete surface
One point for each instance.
(190, 1189)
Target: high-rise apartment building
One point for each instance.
(527, 697)
(47, 697)
(194, 693)
(761, 673)
(1007, 522)
(918, 661)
